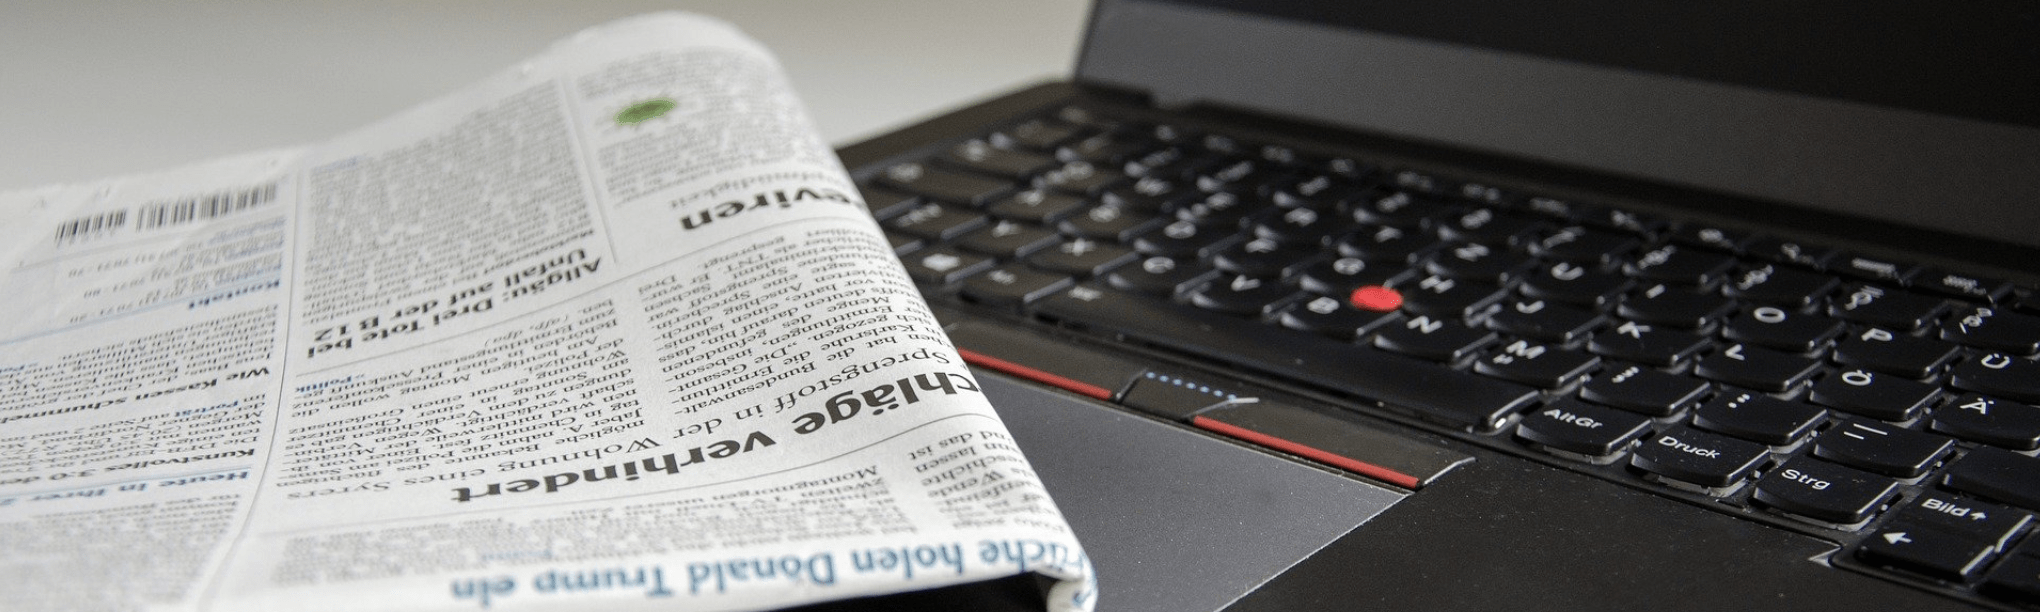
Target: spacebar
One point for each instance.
(1431, 390)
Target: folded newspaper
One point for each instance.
(611, 330)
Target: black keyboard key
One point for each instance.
(1584, 246)
(1301, 226)
(1224, 209)
(1462, 399)
(1873, 268)
(1998, 474)
(1781, 285)
(1879, 396)
(1079, 178)
(1247, 174)
(1261, 257)
(1571, 426)
(903, 244)
(1699, 458)
(1782, 329)
(946, 185)
(1676, 307)
(1168, 162)
(1181, 239)
(1242, 295)
(1993, 329)
(1642, 224)
(1824, 491)
(1756, 368)
(1793, 252)
(1545, 321)
(1008, 239)
(1577, 284)
(1036, 134)
(886, 203)
(1991, 421)
(1111, 222)
(981, 156)
(942, 265)
(1221, 143)
(1489, 225)
(1387, 244)
(1012, 285)
(1343, 167)
(1632, 341)
(1312, 191)
(937, 222)
(1479, 262)
(1082, 257)
(1552, 207)
(1709, 236)
(1150, 194)
(1483, 193)
(1105, 149)
(1332, 317)
(1643, 390)
(1086, 118)
(1537, 365)
(1882, 448)
(1398, 209)
(1423, 182)
(1341, 276)
(1161, 276)
(1181, 163)
(1892, 308)
(1435, 339)
(1984, 522)
(1682, 265)
(1036, 206)
(1759, 418)
(1926, 551)
(1961, 286)
(1884, 351)
(1451, 298)
(2000, 375)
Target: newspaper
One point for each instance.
(610, 330)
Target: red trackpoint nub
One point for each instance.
(1376, 298)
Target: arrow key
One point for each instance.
(1927, 551)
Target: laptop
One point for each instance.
(1444, 305)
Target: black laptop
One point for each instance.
(1448, 305)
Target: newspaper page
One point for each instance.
(610, 330)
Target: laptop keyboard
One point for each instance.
(1882, 403)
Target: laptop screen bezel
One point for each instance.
(1946, 171)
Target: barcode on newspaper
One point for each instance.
(79, 229)
(178, 212)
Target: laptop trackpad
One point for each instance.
(1174, 520)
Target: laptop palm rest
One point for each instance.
(1174, 520)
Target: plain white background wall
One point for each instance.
(92, 88)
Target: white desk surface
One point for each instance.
(94, 88)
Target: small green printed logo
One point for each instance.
(645, 111)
